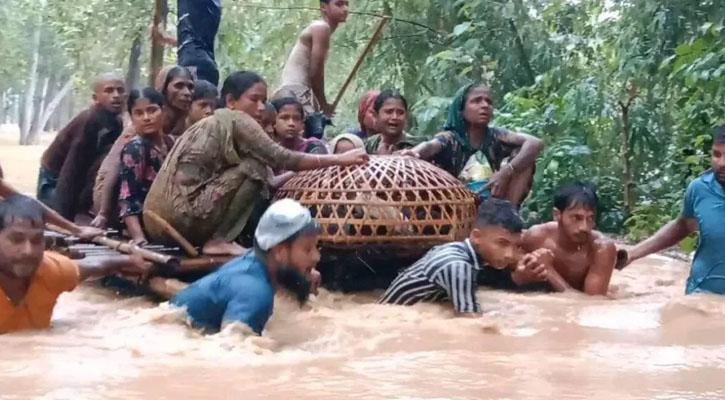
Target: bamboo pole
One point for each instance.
(378, 31)
(202, 263)
(127, 248)
(173, 233)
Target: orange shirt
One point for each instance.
(56, 274)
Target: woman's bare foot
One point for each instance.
(214, 248)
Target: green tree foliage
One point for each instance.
(625, 93)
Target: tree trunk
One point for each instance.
(70, 110)
(37, 127)
(133, 76)
(161, 13)
(627, 162)
(16, 109)
(3, 107)
(55, 102)
(32, 83)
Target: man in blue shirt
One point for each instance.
(285, 255)
(703, 210)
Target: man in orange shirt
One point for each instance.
(31, 279)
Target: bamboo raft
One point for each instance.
(375, 218)
(170, 263)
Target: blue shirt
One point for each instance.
(238, 291)
(705, 202)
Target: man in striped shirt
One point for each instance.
(451, 271)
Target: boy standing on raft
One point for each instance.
(303, 76)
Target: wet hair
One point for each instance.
(239, 82)
(175, 72)
(146, 93)
(576, 194)
(719, 137)
(288, 101)
(204, 89)
(270, 108)
(497, 212)
(20, 208)
(386, 95)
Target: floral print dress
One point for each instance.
(141, 161)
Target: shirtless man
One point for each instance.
(303, 76)
(579, 257)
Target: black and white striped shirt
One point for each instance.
(449, 271)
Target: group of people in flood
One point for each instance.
(198, 163)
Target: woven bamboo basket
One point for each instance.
(400, 201)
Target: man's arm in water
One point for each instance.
(538, 264)
(102, 266)
(600, 272)
(53, 217)
(318, 54)
(669, 235)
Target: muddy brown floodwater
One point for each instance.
(648, 341)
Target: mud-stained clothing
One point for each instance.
(213, 176)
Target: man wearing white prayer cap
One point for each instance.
(285, 255)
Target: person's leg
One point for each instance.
(197, 28)
(237, 216)
(519, 186)
(201, 64)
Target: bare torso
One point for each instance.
(297, 68)
(572, 264)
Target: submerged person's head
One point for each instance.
(391, 113)
(366, 114)
(289, 123)
(109, 91)
(335, 10)
(345, 142)
(496, 234)
(145, 107)
(575, 210)
(246, 91)
(718, 153)
(21, 236)
(204, 101)
(176, 84)
(268, 119)
(286, 240)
